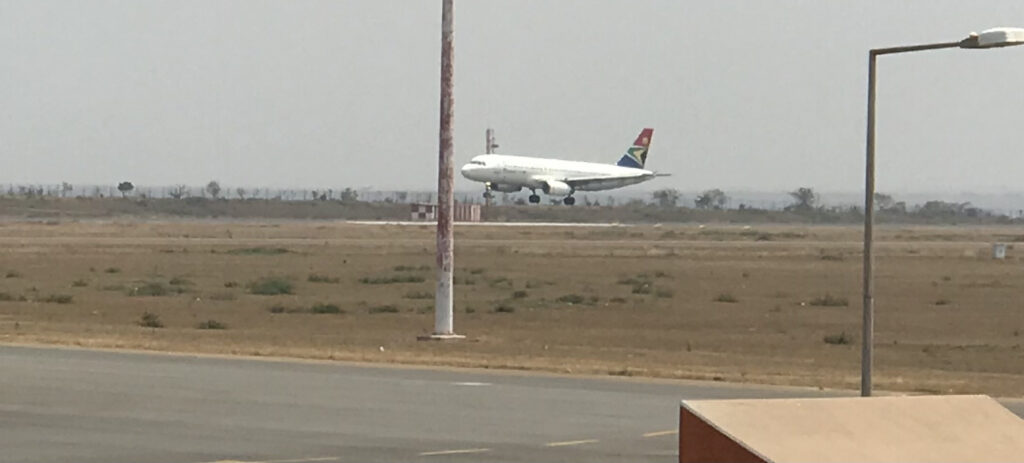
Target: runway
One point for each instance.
(60, 405)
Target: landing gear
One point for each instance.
(569, 200)
(534, 198)
(487, 191)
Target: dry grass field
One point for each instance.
(773, 304)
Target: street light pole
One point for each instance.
(992, 38)
(868, 324)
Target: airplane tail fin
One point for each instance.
(636, 155)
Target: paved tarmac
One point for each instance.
(62, 405)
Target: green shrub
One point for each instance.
(501, 281)
(838, 339)
(317, 278)
(325, 309)
(829, 300)
(150, 320)
(571, 299)
(664, 293)
(384, 309)
(617, 300)
(179, 281)
(470, 310)
(277, 308)
(503, 308)
(6, 297)
(58, 299)
(386, 280)
(727, 298)
(222, 296)
(115, 287)
(152, 288)
(80, 283)
(112, 270)
(520, 294)
(259, 251)
(270, 286)
(13, 274)
(230, 284)
(642, 288)
(212, 325)
(942, 302)
(419, 295)
(410, 268)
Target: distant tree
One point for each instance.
(886, 203)
(125, 188)
(349, 195)
(213, 189)
(179, 191)
(65, 188)
(240, 192)
(667, 197)
(883, 201)
(711, 199)
(936, 208)
(804, 199)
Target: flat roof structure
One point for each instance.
(920, 429)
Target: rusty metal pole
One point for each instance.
(489, 149)
(443, 313)
(491, 142)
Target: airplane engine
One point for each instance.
(506, 188)
(556, 188)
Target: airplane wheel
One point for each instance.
(488, 195)
(569, 200)
(534, 199)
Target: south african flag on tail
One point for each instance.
(636, 155)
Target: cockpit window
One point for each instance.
(479, 163)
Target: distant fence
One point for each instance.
(462, 213)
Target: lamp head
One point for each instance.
(994, 38)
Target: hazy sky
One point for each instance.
(758, 95)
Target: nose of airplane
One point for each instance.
(466, 169)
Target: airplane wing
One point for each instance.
(577, 182)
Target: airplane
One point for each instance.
(556, 177)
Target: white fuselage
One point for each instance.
(503, 171)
